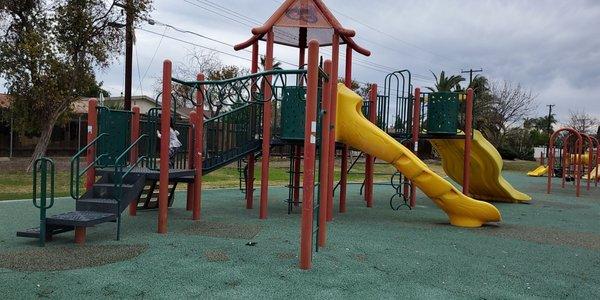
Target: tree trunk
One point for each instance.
(42, 145)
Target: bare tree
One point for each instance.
(205, 62)
(511, 104)
(583, 122)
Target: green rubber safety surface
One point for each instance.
(549, 248)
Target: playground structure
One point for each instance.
(304, 109)
(578, 159)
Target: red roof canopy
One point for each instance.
(297, 21)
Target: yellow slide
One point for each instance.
(538, 172)
(353, 129)
(486, 182)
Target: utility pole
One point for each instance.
(128, 53)
(471, 71)
(549, 129)
(129, 31)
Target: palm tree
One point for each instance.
(446, 84)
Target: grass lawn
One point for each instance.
(18, 184)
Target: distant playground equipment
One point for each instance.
(539, 171)
(303, 109)
(578, 159)
(542, 169)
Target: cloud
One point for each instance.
(548, 46)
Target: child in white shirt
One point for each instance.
(174, 144)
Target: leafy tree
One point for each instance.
(538, 129)
(362, 89)
(48, 53)
(446, 84)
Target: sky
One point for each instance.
(550, 47)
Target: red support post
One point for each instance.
(165, 119)
(266, 134)
(578, 149)
(134, 154)
(335, 57)
(199, 150)
(251, 159)
(596, 162)
(369, 159)
(468, 141)
(345, 150)
(416, 129)
(310, 137)
(92, 130)
(324, 159)
(551, 156)
(191, 147)
(297, 148)
(80, 233)
(590, 157)
(566, 160)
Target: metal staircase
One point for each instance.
(98, 205)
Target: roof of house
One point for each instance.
(81, 106)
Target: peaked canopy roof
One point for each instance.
(297, 21)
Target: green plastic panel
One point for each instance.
(293, 108)
(117, 124)
(442, 113)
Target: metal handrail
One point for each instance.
(120, 176)
(250, 76)
(75, 167)
(230, 111)
(43, 163)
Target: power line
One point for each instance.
(155, 52)
(470, 72)
(195, 44)
(359, 62)
(208, 38)
(252, 22)
(387, 34)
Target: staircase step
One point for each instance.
(81, 218)
(30, 233)
(108, 190)
(35, 232)
(111, 185)
(107, 205)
